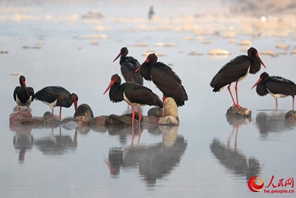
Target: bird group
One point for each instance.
(132, 91)
(135, 94)
(239, 67)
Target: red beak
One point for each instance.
(138, 69)
(24, 84)
(260, 79)
(75, 106)
(109, 86)
(261, 61)
(117, 57)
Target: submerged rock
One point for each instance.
(155, 112)
(82, 120)
(234, 111)
(99, 120)
(19, 116)
(124, 119)
(171, 113)
(84, 110)
(291, 116)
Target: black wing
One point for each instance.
(169, 83)
(279, 85)
(15, 92)
(128, 68)
(143, 95)
(31, 92)
(231, 72)
(48, 94)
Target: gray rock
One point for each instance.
(234, 111)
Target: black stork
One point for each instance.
(57, 96)
(164, 78)
(133, 94)
(235, 70)
(128, 67)
(23, 95)
(277, 86)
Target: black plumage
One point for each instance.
(57, 96)
(22, 94)
(128, 66)
(236, 70)
(277, 86)
(164, 78)
(133, 94)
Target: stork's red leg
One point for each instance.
(236, 94)
(133, 120)
(228, 87)
(139, 114)
(60, 115)
(276, 104)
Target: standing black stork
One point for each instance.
(236, 70)
(164, 78)
(277, 86)
(23, 95)
(57, 96)
(133, 94)
(128, 67)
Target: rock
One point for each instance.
(52, 122)
(99, 120)
(47, 115)
(155, 111)
(234, 111)
(124, 119)
(269, 52)
(84, 110)
(82, 120)
(19, 116)
(82, 129)
(35, 121)
(291, 116)
(150, 122)
(168, 120)
(170, 108)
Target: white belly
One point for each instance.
(19, 103)
(51, 105)
(276, 95)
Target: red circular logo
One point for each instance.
(253, 186)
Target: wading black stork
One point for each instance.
(164, 78)
(133, 94)
(128, 67)
(236, 70)
(277, 86)
(23, 95)
(57, 96)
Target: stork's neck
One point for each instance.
(115, 93)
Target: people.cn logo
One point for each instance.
(253, 186)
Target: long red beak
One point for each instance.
(75, 106)
(261, 61)
(24, 84)
(260, 79)
(117, 57)
(138, 69)
(109, 86)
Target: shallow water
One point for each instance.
(208, 155)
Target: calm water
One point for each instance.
(208, 155)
